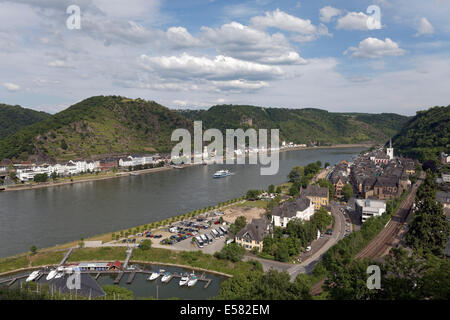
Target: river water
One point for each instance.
(49, 216)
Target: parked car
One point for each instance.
(308, 248)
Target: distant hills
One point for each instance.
(109, 125)
(304, 126)
(426, 135)
(14, 118)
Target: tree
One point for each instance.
(347, 191)
(253, 194)
(326, 165)
(232, 252)
(271, 189)
(238, 225)
(429, 231)
(54, 176)
(41, 177)
(145, 245)
(33, 249)
(279, 190)
(64, 144)
(295, 175)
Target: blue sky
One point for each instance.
(195, 54)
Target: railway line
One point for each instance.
(388, 237)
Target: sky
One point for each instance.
(340, 56)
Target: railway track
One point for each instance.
(384, 241)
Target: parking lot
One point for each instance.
(184, 235)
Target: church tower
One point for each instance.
(390, 151)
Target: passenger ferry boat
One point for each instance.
(221, 174)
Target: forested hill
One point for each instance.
(97, 126)
(111, 125)
(426, 135)
(303, 125)
(14, 118)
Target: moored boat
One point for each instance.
(51, 275)
(184, 280)
(192, 281)
(33, 276)
(166, 278)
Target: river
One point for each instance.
(49, 216)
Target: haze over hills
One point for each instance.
(106, 125)
(425, 135)
(14, 118)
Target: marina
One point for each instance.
(203, 286)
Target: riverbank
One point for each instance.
(91, 178)
(107, 176)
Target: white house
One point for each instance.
(126, 162)
(131, 161)
(446, 177)
(302, 208)
(25, 175)
(370, 208)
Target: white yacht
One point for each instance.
(192, 281)
(222, 174)
(166, 278)
(155, 275)
(184, 280)
(51, 275)
(59, 275)
(33, 276)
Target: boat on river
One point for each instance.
(221, 174)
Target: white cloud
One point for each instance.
(283, 21)
(180, 38)
(240, 85)
(243, 42)
(11, 86)
(424, 28)
(353, 21)
(375, 48)
(328, 13)
(57, 64)
(187, 66)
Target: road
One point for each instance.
(338, 233)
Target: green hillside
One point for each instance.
(14, 118)
(102, 126)
(426, 135)
(303, 125)
(96, 126)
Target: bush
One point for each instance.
(232, 252)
